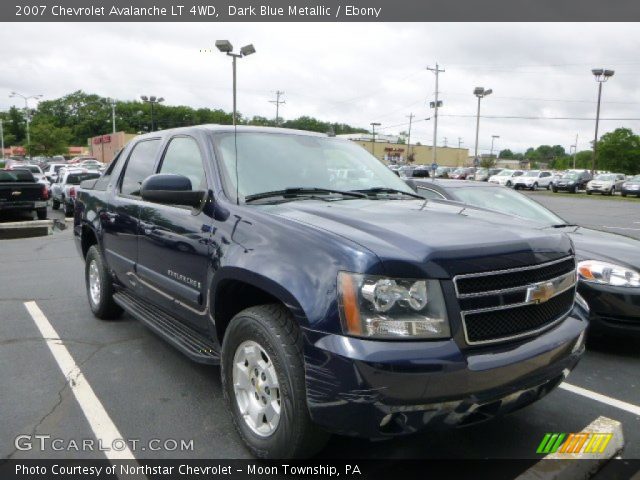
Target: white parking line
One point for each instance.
(598, 397)
(622, 228)
(103, 427)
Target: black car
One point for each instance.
(572, 182)
(608, 264)
(631, 187)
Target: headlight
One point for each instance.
(380, 307)
(608, 274)
(571, 182)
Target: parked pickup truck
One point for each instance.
(20, 191)
(331, 306)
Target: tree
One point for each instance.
(49, 140)
(488, 162)
(619, 151)
(506, 153)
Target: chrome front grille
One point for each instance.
(509, 304)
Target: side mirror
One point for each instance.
(170, 189)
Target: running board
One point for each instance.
(189, 341)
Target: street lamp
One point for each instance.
(601, 75)
(112, 102)
(493, 137)
(373, 136)
(153, 101)
(225, 47)
(479, 92)
(26, 113)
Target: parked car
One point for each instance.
(462, 173)
(82, 158)
(572, 182)
(608, 183)
(64, 190)
(483, 174)
(331, 306)
(38, 174)
(418, 171)
(608, 264)
(631, 187)
(19, 191)
(506, 177)
(51, 173)
(444, 172)
(533, 179)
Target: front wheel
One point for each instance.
(41, 213)
(624, 194)
(55, 205)
(99, 286)
(263, 382)
(574, 190)
(555, 190)
(589, 192)
(612, 191)
(508, 183)
(535, 187)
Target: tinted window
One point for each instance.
(106, 175)
(16, 176)
(183, 158)
(139, 166)
(76, 178)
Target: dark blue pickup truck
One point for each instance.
(334, 298)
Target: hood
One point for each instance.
(438, 239)
(610, 247)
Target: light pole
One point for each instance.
(493, 137)
(112, 102)
(373, 136)
(153, 101)
(225, 47)
(479, 92)
(601, 75)
(26, 113)
(575, 151)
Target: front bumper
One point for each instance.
(629, 191)
(377, 389)
(613, 310)
(566, 188)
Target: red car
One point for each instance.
(462, 173)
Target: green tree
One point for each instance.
(619, 151)
(506, 153)
(48, 140)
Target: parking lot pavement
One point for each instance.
(151, 391)
(616, 216)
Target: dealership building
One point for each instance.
(105, 147)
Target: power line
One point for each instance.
(517, 117)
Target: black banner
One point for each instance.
(319, 11)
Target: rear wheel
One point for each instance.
(555, 190)
(99, 286)
(263, 382)
(42, 213)
(508, 183)
(535, 186)
(589, 192)
(574, 189)
(55, 204)
(612, 191)
(624, 194)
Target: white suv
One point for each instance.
(533, 179)
(506, 177)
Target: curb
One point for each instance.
(549, 468)
(25, 229)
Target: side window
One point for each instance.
(545, 175)
(430, 194)
(104, 180)
(183, 158)
(139, 166)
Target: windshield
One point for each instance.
(635, 179)
(272, 161)
(571, 176)
(16, 176)
(31, 168)
(507, 201)
(505, 173)
(531, 173)
(605, 178)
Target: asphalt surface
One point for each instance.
(151, 391)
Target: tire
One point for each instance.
(535, 187)
(554, 189)
(589, 192)
(274, 331)
(574, 190)
(102, 305)
(55, 204)
(68, 209)
(623, 194)
(508, 183)
(612, 191)
(41, 213)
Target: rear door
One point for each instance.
(121, 220)
(173, 250)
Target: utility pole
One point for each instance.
(445, 142)
(373, 137)
(410, 117)
(479, 92)
(493, 137)
(112, 101)
(601, 75)
(277, 101)
(575, 151)
(460, 142)
(435, 104)
(2, 137)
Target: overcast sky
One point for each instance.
(354, 73)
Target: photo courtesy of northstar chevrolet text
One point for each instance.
(306, 239)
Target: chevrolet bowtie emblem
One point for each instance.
(541, 293)
(16, 193)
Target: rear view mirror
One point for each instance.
(170, 189)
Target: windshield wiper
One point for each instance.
(563, 225)
(301, 192)
(378, 190)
